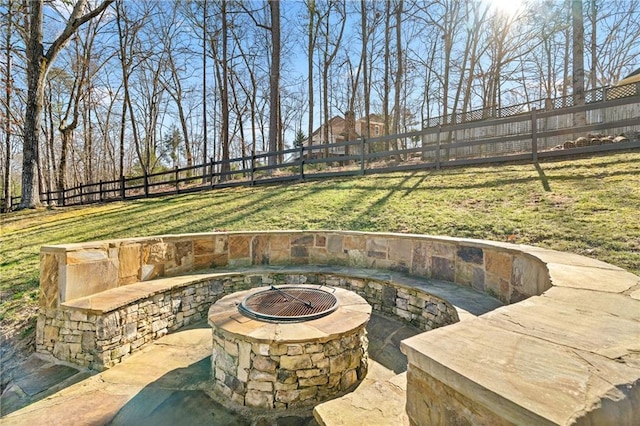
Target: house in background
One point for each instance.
(634, 77)
(344, 129)
(625, 87)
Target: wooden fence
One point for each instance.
(523, 136)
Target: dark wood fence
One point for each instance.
(523, 136)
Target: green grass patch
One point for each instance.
(588, 206)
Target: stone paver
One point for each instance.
(37, 378)
(162, 384)
(379, 401)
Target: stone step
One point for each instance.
(376, 402)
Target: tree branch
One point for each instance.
(75, 21)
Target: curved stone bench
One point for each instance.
(565, 349)
(101, 329)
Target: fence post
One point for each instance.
(301, 161)
(253, 166)
(80, 190)
(176, 177)
(534, 135)
(211, 173)
(438, 147)
(362, 156)
(146, 184)
(100, 191)
(122, 191)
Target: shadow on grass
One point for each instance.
(543, 178)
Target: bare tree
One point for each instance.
(223, 85)
(331, 44)
(38, 63)
(312, 35)
(579, 119)
(387, 71)
(365, 77)
(274, 79)
(6, 181)
(617, 37)
(173, 83)
(399, 70)
(83, 46)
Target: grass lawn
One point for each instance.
(588, 206)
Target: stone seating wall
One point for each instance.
(100, 330)
(564, 350)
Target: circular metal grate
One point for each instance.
(288, 304)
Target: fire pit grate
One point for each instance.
(288, 304)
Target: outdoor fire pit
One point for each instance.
(285, 347)
(289, 304)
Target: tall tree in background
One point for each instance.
(399, 71)
(38, 63)
(224, 89)
(83, 46)
(593, 14)
(311, 43)
(331, 44)
(274, 79)
(177, 57)
(579, 118)
(365, 77)
(8, 119)
(387, 71)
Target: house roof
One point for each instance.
(336, 122)
(634, 77)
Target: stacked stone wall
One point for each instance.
(79, 271)
(284, 376)
(100, 340)
(70, 272)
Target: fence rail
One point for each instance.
(521, 136)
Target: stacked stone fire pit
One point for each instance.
(288, 357)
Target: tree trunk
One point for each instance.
(399, 72)
(36, 69)
(6, 181)
(274, 80)
(365, 78)
(594, 45)
(310, 49)
(579, 118)
(37, 66)
(204, 92)
(61, 181)
(387, 71)
(224, 95)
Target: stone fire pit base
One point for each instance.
(292, 365)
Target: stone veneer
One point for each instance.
(69, 272)
(101, 330)
(288, 365)
(567, 354)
